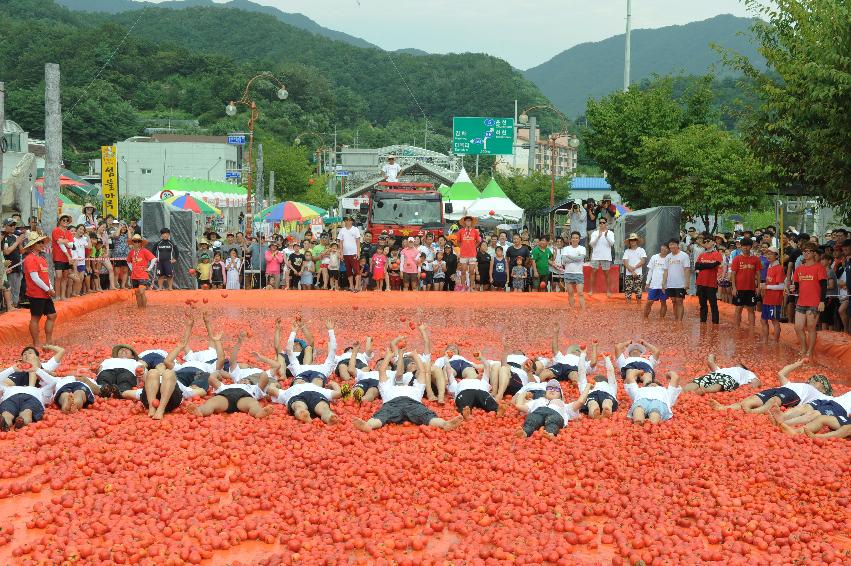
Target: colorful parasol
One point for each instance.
(188, 202)
(622, 209)
(291, 211)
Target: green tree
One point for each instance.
(703, 169)
(802, 128)
(291, 166)
(532, 192)
(618, 123)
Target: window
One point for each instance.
(145, 171)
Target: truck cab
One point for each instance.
(404, 209)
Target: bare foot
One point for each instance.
(158, 416)
(774, 416)
(607, 411)
(267, 411)
(361, 425)
(441, 401)
(549, 435)
(466, 413)
(431, 397)
(500, 411)
(789, 430)
(716, 405)
(520, 433)
(453, 423)
(302, 415)
(66, 404)
(72, 404)
(194, 410)
(332, 420)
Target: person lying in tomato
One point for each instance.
(21, 405)
(722, 379)
(402, 403)
(21, 372)
(549, 412)
(789, 394)
(239, 397)
(832, 412)
(119, 373)
(405, 363)
(305, 400)
(603, 399)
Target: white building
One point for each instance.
(518, 162)
(146, 163)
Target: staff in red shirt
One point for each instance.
(811, 279)
(772, 293)
(62, 239)
(706, 267)
(468, 239)
(141, 261)
(745, 268)
(39, 290)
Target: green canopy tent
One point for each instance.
(493, 190)
(462, 194)
(443, 189)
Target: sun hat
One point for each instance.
(411, 239)
(634, 346)
(555, 386)
(204, 256)
(89, 205)
(203, 241)
(633, 236)
(773, 250)
(117, 347)
(463, 218)
(33, 239)
(137, 239)
(391, 156)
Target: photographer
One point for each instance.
(13, 241)
(606, 210)
(590, 207)
(576, 220)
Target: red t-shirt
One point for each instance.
(746, 268)
(774, 276)
(468, 239)
(139, 260)
(809, 289)
(38, 264)
(60, 234)
(709, 277)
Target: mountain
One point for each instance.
(296, 20)
(596, 69)
(411, 51)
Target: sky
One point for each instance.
(525, 33)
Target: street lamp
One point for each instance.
(572, 142)
(248, 102)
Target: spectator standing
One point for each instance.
(451, 260)
(39, 290)
(576, 220)
(13, 241)
(88, 217)
(257, 255)
(745, 269)
(468, 240)
(772, 295)
(391, 170)
(634, 258)
(601, 242)
(166, 253)
(676, 276)
(542, 255)
(706, 266)
(810, 280)
(410, 265)
(62, 239)
(349, 237)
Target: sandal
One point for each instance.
(4, 426)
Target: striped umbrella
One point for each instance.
(622, 209)
(291, 211)
(188, 202)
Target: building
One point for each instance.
(145, 164)
(21, 161)
(565, 156)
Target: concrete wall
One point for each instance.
(144, 167)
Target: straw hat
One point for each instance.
(137, 239)
(34, 238)
(88, 205)
(463, 218)
(117, 347)
(635, 237)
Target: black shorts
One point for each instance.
(73, 387)
(459, 366)
(61, 265)
(643, 366)
(476, 399)
(122, 379)
(404, 409)
(514, 384)
(193, 377)
(562, 371)
(309, 375)
(20, 402)
(309, 398)
(366, 384)
(165, 269)
(136, 283)
(788, 398)
(598, 397)
(429, 277)
(119, 263)
(173, 402)
(359, 364)
(745, 299)
(676, 293)
(233, 396)
(153, 359)
(826, 407)
(42, 307)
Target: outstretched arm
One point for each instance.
(353, 362)
(424, 332)
(58, 351)
(620, 347)
(382, 367)
(332, 347)
(180, 346)
(610, 373)
(278, 332)
(576, 405)
(234, 360)
(783, 374)
(654, 350)
(272, 363)
(582, 371)
(421, 373)
(333, 385)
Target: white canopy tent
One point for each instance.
(496, 207)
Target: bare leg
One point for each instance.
(48, 328)
(366, 426)
(607, 408)
(300, 412)
(169, 382)
(251, 406)
(655, 417)
(325, 413)
(663, 309)
(216, 404)
(812, 321)
(34, 331)
(152, 386)
(594, 410)
(638, 415)
(440, 381)
(502, 382)
(800, 324)
(451, 424)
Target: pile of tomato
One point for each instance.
(110, 486)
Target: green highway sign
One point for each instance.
(482, 136)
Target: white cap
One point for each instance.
(411, 239)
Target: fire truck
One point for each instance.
(403, 209)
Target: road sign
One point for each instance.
(341, 173)
(233, 174)
(236, 140)
(482, 136)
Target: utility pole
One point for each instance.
(259, 190)
(271, 187)
(53, 140)
(533, 127)
(627, 53)
(2, 142)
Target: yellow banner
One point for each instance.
(109, 180)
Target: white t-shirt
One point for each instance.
(40, 393)
(78, 253)
(667, 395)
(119, 363)
(573, 259)
(845, 401)
(601, 246)
(741, 375)
(456, 386)
(192, 364)
(632, 257)
(556, 405)
(570, 360)
(287, 394)
(656, 270)
(252, 390)
(676, 264)
(349, 240)
(207, 355)
(391, 375)
(805, 392)
(392, 172)
(624, 360)
(532, 386)
(390, 391)
(429, 253)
